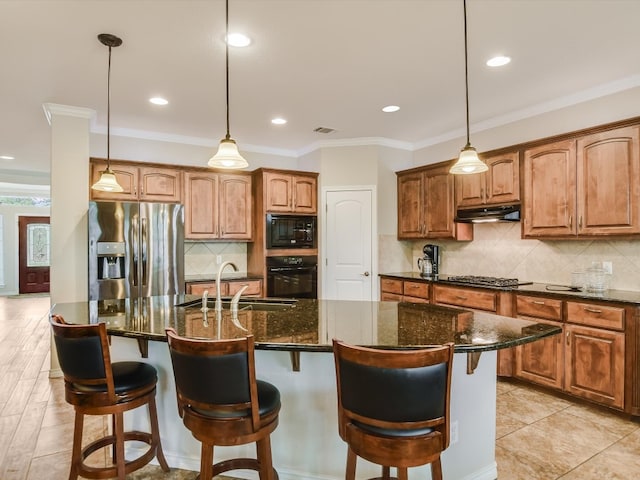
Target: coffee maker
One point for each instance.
(429, 264)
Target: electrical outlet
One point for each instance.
(218, 259)
(453, 434)
(608, 267)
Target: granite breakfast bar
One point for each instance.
(306, 444)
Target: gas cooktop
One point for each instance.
(486, 281)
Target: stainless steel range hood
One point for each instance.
(502, 213)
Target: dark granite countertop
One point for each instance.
(310, 325)
(537, 289)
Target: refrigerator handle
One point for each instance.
(144, 251)
(134, 243)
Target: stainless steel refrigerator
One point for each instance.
(136, 249)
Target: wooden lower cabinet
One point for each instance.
(587, 360)
(227, 288)
(397, 290)
(541, 362)
(595, 364)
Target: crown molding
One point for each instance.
(51, 109)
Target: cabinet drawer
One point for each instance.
(539, 307)
(466, 298)
(416, 289)
(254, 287)
(409, 299)
(389, 285)
(390, 297)
(595, 315)
(199, 288)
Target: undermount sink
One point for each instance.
(262, 304)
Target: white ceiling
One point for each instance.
(318, 63)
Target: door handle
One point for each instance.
(366, 274)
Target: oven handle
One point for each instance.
(290, 269)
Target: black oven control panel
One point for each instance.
(293, 261)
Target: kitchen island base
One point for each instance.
(306, 444)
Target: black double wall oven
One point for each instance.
(291, 275)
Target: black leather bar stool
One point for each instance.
(222, 403)
(95, 386)
(393, 406)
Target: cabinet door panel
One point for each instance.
(550, 190)
(595, 365)
(470, 190)
(235, 207)
(278, 192)
(503, 179)
(305, 194)
(608, 182)
(542, 361)
(201, 205)
(126, 176)
(439, 203)
(410, 198)
(160, 184)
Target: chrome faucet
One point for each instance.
(235, 300)
(219, 281)
(205, 295)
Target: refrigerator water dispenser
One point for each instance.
(110, 260)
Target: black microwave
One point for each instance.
(291, 231)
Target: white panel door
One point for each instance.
(349, 236)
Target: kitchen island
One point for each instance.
(306, 444)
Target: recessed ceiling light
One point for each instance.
(7, 157)
(498, 61)
(238, 40)
(390, 108)
(278, 121)
(158, 101)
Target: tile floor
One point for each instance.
(540, 436)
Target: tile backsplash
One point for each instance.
(497, 250)
(200, 258)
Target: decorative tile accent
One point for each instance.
(497, 250)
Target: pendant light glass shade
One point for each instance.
(228, 156)
(468, 161)
(107, 182)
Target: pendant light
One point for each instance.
(468, 162)
(108, 181)
(227, 155)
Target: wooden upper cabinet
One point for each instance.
(584, 187)
(290, 193)
(235, 208)
(126, 175)
(500, 185)
(218, 206)
(426, 206)
(201, 205)
(144, 183)
(411, 205)
(160, 184)
(608, 188)
(550, 190)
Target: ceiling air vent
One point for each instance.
(323, 130)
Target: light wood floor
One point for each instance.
(540, 436)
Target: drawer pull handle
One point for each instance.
(414, 286)
(537, 302)
(460, 297)
(568, 337)
(592, 310)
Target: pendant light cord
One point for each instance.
(226, 44)
(466, 69)
(109, 112)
